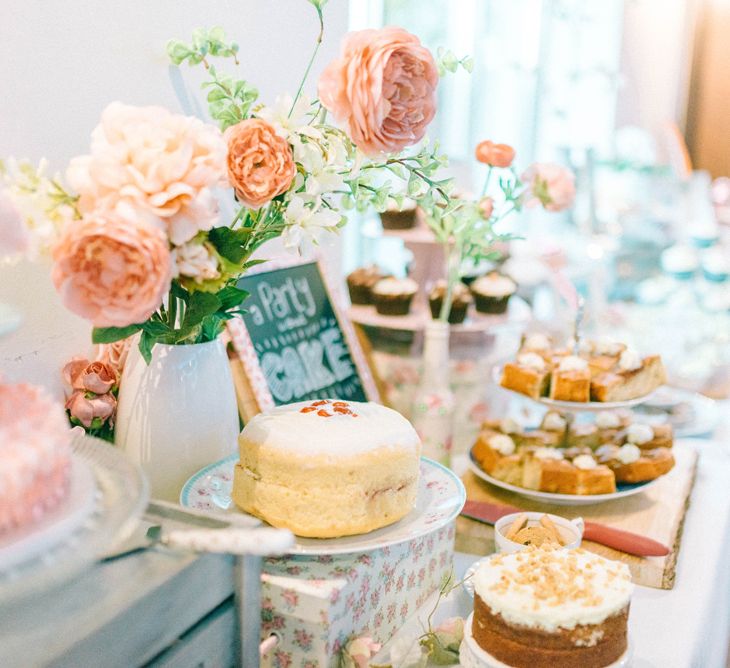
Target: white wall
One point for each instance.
(61, 63)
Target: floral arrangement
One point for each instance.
(143, 248)
(466, 227)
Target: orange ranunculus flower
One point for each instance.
(382, 89)
(260, 162)
(495, 155)
(111, 270)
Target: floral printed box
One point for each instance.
(314, 604)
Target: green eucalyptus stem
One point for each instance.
(311, 61)
(423, 177)
(486, 182)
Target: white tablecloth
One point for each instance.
(685, 627)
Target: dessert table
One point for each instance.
(685, 627)
(167, 608)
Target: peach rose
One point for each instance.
(112, 271)
(157, 162)
(14, 237)
(495, 155)
(97, 377)
(382, 88)
(86, 410)
(552, 186)
(114, 354)
(260, 162)
(486, 207)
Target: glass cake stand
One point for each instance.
(108, 496)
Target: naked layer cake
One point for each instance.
(35, 455)
(328, 468)
(545, 607)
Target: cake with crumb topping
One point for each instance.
(545, 607)
(328, 468)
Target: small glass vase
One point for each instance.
(177, 414)
(433, 403)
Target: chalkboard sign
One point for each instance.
(293, 344)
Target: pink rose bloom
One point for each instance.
(450, 632)
(112, 271)
(486, 207)
(86, 410)
(495, 155)
(260, 162)
(14, 238)
(358, 652)
(382, 88)
(115, 354)
(160, 163)
(552, 186)
(97, 377)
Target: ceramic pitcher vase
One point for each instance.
(177, 414)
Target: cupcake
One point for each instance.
(399, 218)
(393, 296)
(360, 284)
(461, 298)
(492, 292)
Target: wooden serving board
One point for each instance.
(657, 513)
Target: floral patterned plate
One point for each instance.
(441, 497)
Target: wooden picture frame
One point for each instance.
(249, 346)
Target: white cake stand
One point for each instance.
(471, 655)
(569, 409)
(441, 496)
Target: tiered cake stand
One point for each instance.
(427, 268)
(570, 409)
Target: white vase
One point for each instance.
(177, 414)
(433, 403)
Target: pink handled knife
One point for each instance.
(618, 539)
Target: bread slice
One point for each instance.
(626, 385)
(571, 385)
(525, 380)
(649, 466)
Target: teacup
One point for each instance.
(571, 531)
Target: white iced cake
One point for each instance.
(328, 468)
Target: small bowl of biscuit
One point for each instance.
(516, 531)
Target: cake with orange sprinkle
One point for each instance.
(328, 468)
(548, 606)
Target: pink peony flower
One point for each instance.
(382, 88)
(86, 410)
(112, 271)
(97, 377)
(552, 186)
(496, 155)
(14, 237)
(260, 162)
(158, 162)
